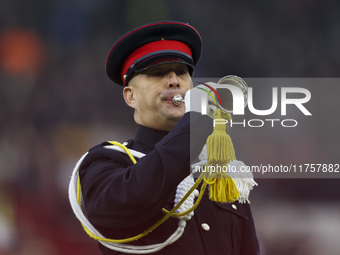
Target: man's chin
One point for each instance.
(173, 113)
(176, 115)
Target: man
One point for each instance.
(154, 63)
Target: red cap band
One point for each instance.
(154, 47)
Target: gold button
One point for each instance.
(234, 207)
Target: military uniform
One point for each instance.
(122, 199)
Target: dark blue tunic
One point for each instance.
(123, 199)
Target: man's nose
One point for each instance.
(173, 81)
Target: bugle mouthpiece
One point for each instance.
(177, 99)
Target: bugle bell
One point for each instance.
(225, 94)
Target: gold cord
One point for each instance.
(168, 214)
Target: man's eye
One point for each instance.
(156, 73)
(161, 73)
(181, 72)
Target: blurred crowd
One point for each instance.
(56, 101)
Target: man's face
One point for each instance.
(151, 91)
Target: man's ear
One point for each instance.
(129, 96)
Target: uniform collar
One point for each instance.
(147, 137)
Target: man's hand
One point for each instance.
(201, 99)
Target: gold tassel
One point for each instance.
(220, 152)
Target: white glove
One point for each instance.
(199, 100)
